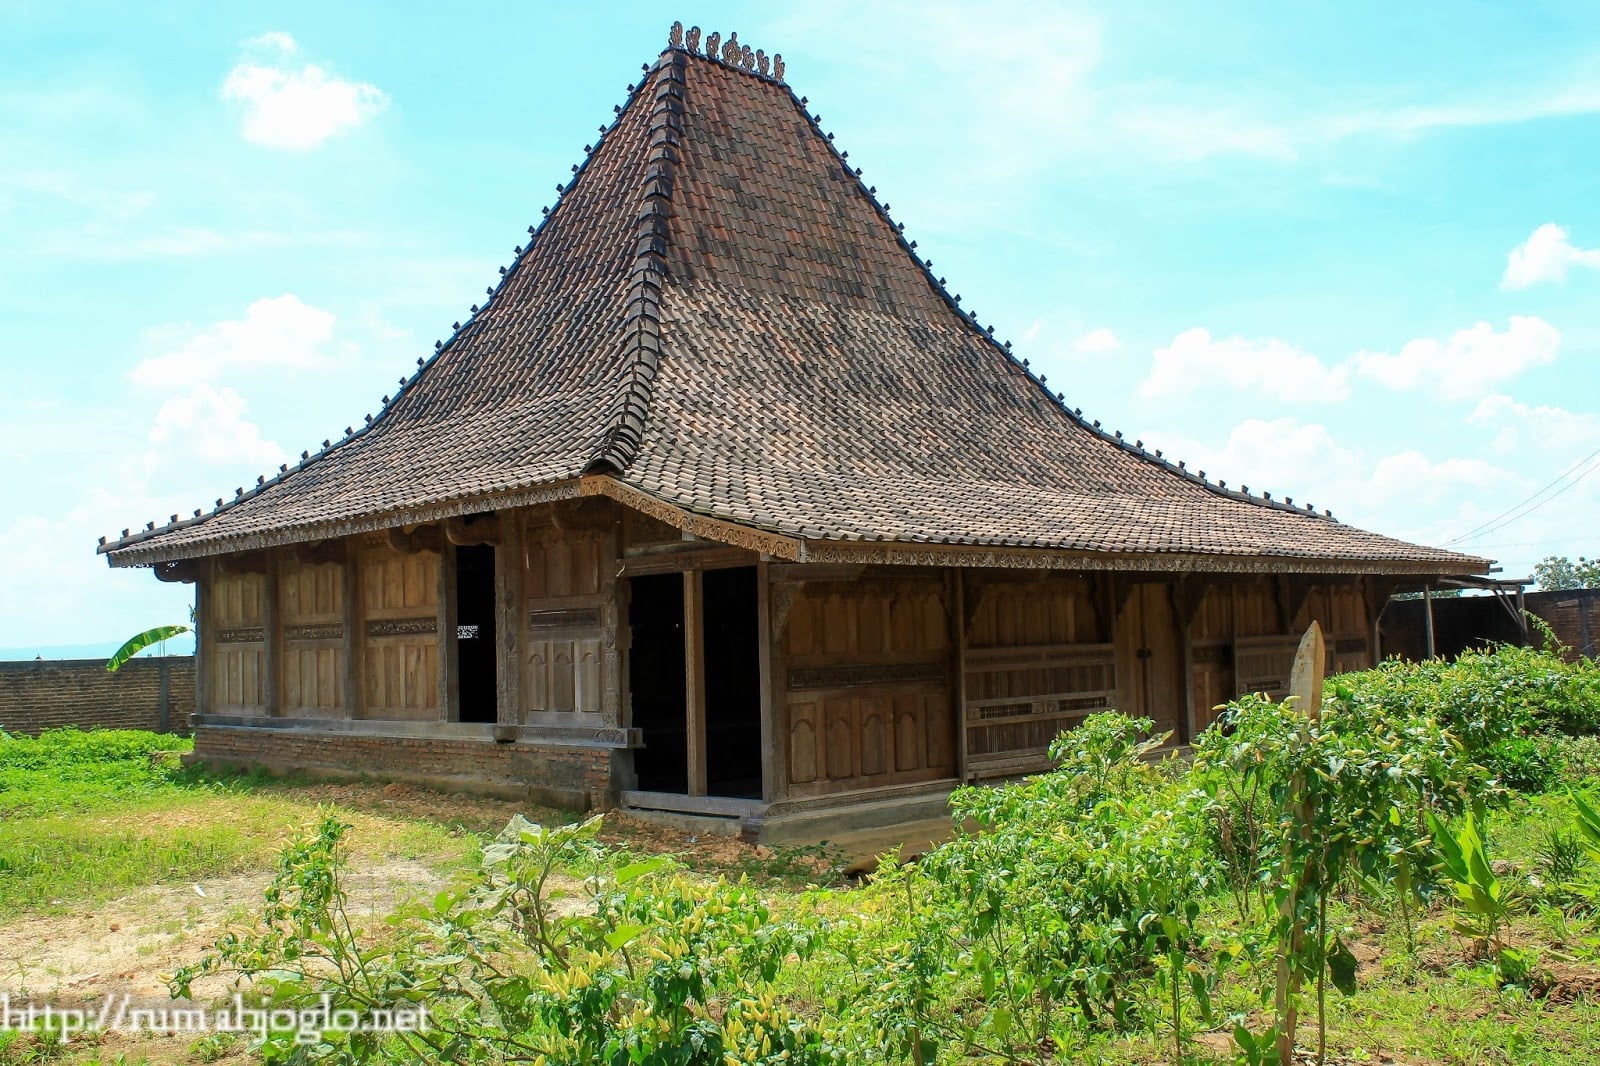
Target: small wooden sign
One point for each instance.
(1305, 677)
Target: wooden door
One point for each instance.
(1150, 659)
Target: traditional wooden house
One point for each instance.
(721, 503)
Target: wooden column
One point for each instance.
(272, 636)
(774, 781)
(508, 619)
(351, 649)
(694, 680)
(205, 639)
(959, 712)
(449, 687)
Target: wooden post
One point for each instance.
(350, 649)
(694, 680)
(1427, 617)
(449, 688)
(272, 636)
(206, 639)
(960, 643)
(774, 782)
(508, 620)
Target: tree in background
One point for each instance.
(1556, 573)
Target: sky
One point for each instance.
(1348, 253)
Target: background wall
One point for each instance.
(155, 694)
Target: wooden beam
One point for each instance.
(694, 679)
(1427, 618)
(689, 557)
(243, 563)
(316, 552)
(508, 620)
(449, 684)
(774, 782)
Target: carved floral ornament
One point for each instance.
(729, 52)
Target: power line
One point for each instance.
(1517, 512)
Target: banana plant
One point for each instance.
(139, 642)
(1464, 861)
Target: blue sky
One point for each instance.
(1346, 252)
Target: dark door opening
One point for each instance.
(656, 682)
(476, 680)
(733, 683)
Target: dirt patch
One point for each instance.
(129, 944)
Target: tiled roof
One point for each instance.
(718, 313)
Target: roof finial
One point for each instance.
(730, 51)
(711, 44)
(675, 36)
(777, 66)
(693, 40)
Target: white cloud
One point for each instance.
(290, 104)
(207, 426)
(1195, 360)
(1545, 256)
(276, 333)
(1552, 430)
(1469, 363)
(1095, 342)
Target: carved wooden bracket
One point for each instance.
(243, 563)
(472, 530)
(184, 570)
(1188, 593)
(318, 551)
(421, 539)
(784, 593)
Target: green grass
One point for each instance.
(86, 816)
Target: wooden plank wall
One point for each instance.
(237, 672)
(401, 646)
(311, 603)
(568, 624)
(865, 670)
(1037, 661)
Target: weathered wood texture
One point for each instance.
(1037, 660)
(568, 625)
(1239, 643)
(311, 605)
(400, 609)
(237, 672)
(865, 674)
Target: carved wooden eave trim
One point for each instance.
(468, 532)
(758, 540)
(884, 553)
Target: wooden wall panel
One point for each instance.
(238, 669)
(401, 640)
(1037, 662)
(311, 601)
(1149, 653)
(568, 625)
(866, 671)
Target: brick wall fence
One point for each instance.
(153, 693)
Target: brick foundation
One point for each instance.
(151, 693)
(572, 776)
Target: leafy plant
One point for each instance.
(139, 642)
(1482, 899)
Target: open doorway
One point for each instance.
(733, 683)
(476, 679)
(656, 682)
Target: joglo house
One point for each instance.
(721, 504)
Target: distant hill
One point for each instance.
(183, 645)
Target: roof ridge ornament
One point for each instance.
(730, 52)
